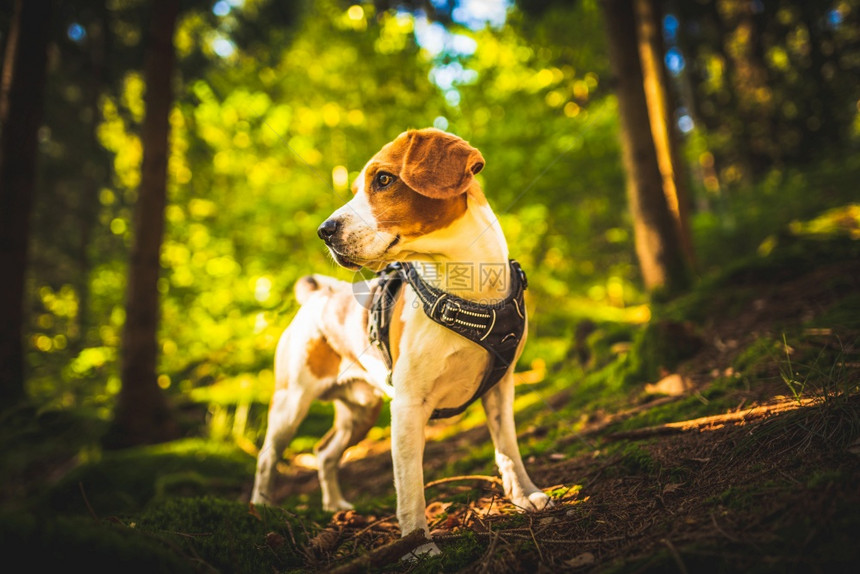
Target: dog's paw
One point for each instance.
(533, 502)
(429, 549)
(539, 501)
(336, 505)
(258, 499)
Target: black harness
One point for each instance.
(498, 328)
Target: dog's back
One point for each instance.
(335, 313)
(308, 285)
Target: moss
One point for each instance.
(456, 555)
(600, 344)
(844, 314)
(656, 348)
(479, 460)
(29, 438)
(60, 544)
(126, 481)
(715, 399)
(826, 477)
(227, 535)
(730, 289)
(735, 497)
(759, 357)
(632, 459)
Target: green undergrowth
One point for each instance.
(203, 534)
(456, 555)
(34, 442)
(788, 256)
(126, 482)
(806, 527)
(714, 400)
(801, 357)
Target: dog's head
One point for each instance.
(413, 186)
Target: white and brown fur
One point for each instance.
(416, 200)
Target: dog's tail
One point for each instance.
(310, 284)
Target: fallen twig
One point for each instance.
(516, 534)
(489, 553)
(721, 531)
(699, 423)
(493, 479)
(374, 523)
(87, 501)
(384, 554)
(532, 532)
(675, 555)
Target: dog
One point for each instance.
(416, 203)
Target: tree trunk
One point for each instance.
(832, 128)
(95, 171)
(21, 105)
(659, 100)
(142, 413)
(658, 245)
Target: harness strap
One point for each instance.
(498, 328)
(382, 298)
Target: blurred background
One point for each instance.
(171, 161)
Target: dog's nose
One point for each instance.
(328, 228)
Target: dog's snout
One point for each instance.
(328, 228)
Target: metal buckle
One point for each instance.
(376, 314)
(373, 328)
(523, 278)
(450, 306)
(392, 269)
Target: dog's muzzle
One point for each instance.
(328, 230)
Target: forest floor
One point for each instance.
(769, 481)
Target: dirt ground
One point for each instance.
(770, 485)
(711, 499)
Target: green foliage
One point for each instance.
(757, 80)
(263, 148)
(264, 145)
(760, 216)
(624, 357)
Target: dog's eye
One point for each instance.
(383, 179)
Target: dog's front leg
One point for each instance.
(498, 404)
(408, 419)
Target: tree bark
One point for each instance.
(658, 245)
(142, 413)
(658, 97)
(21, 106)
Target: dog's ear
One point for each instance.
(438, 164)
